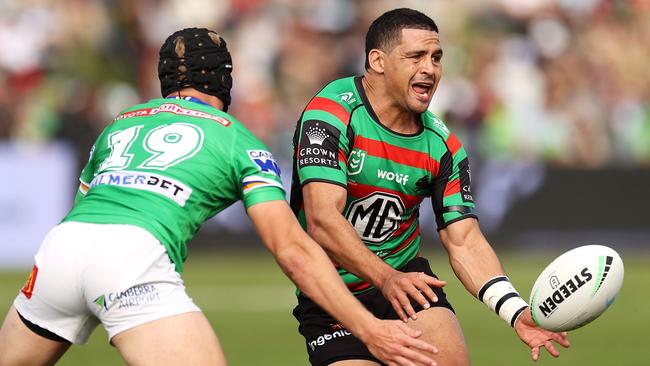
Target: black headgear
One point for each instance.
(205, 65)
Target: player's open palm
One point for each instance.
(401, 286)
(394, 343)
(537, 338)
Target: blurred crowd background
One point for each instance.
(527, 85)
(566, 82)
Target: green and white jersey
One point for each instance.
(170, 164)
(340, 140)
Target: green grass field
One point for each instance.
(249, 302)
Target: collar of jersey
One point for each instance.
(364, 98)
(191, 99)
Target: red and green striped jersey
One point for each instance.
(340, 140)
(170, 164)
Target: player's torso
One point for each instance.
(389, 175)
(164, 166)
(386, 174)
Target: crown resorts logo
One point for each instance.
(316, 135)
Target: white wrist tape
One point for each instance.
(502, 298)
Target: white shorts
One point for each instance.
(119, 275)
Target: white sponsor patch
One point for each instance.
(175, 109)
(264, 161)
(168, 187)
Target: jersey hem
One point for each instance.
(323, 180)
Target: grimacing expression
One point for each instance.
(412, 69)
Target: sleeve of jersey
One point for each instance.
(258, 173)
(322, 145)
(86, 176)
(451, 191)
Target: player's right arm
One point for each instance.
(324, 203)
(307, 265)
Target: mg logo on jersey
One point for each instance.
(355, 161)
(264, 160)
(376, 217)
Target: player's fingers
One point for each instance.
(424, 288)
(421, 345)
(402, 361)
(551, 349)
(535, 353)
(417, 295)
(561, 339)
(398, 309)
(413, 342)
(413, 333)
(406, 305)
(430, 280)
(409, 357)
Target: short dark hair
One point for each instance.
(386, 30)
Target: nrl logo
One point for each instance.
(355, 161)
(346, 97)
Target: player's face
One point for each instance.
(413, 69)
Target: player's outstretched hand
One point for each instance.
(537, 338)
(395, 343)
(401, 285)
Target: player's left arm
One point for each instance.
(472, 258)
(87, 174)
(307, 265)
(477, 266)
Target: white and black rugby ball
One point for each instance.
(576, 287)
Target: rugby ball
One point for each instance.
(576, 288)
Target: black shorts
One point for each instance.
(328, 341)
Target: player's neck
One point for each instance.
(206, 98)
(388, 111)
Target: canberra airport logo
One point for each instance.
(132, 297)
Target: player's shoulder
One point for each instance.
(438, 129)
(342, 91)
(339, 97)
(435, 125)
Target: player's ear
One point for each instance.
(376, 60)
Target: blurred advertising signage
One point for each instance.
(36, 190)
